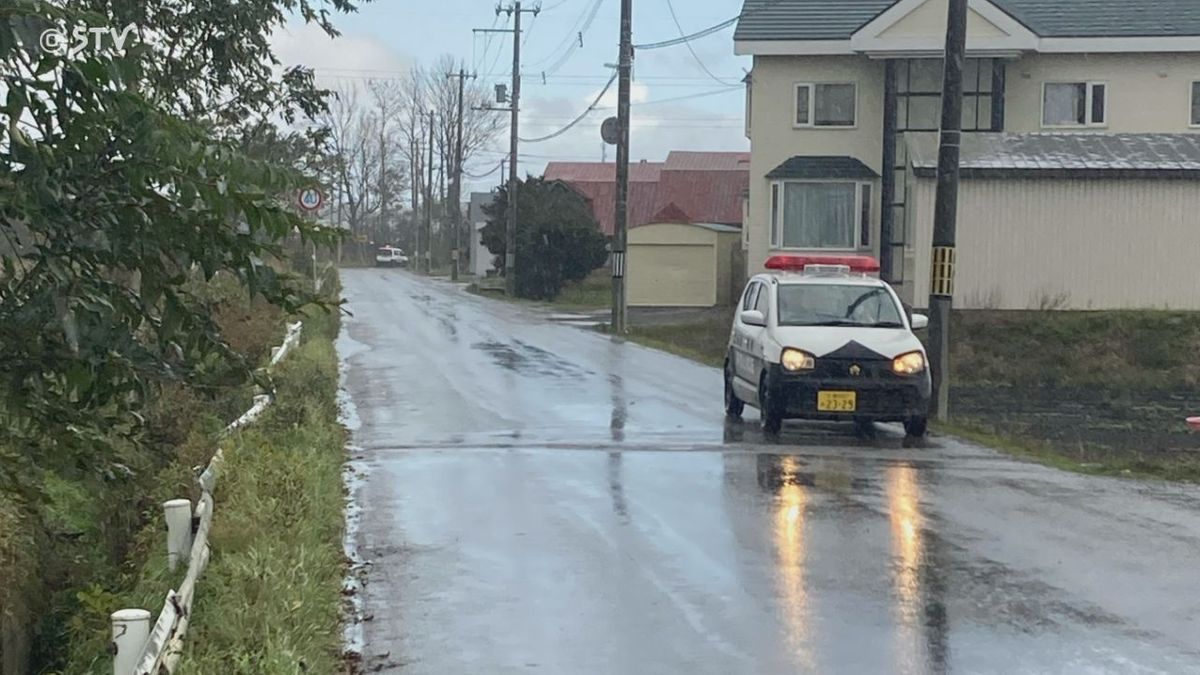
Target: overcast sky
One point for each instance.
(677, 105)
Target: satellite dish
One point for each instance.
(610, 130)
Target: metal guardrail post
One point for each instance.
(130, 630)
(178, 514)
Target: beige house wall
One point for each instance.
(1068, 244)
(1146, 92)
(929, 20)
(775, 138)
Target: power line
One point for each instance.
(768, 4)
(578, 119)
(692, 50)
(529, 31)
(499, 52)
(688, 38)
(477, 61)
(573, 41)
(713, 92)
(468, 174)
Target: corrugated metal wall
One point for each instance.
(1068, 244)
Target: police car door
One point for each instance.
(747, 339)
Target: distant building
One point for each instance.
(481, 258)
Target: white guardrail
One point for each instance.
(139, 649)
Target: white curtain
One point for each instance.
(819, 215)
(1066, 104)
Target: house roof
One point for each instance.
(679, 160)
(821, 166)
(1064, 155)
(671, 213)
(840, 19)
(601, 172)
(703, 186)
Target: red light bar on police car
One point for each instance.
(858, 264)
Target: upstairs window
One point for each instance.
(1074, 104)
(1196, 104)
(829, 105)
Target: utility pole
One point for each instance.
(510, 248)
(415, 172)
(383, 195)
(945, 217)
(428, 255)
(456, 186)
(620, 231)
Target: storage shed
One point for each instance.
(1065, 221)
(675, 263)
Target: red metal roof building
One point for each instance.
(707, 187)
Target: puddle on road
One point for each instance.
(521, 357)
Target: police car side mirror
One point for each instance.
(753, 317)
(920, 322)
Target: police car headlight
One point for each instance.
(909, 364)
(794, 360)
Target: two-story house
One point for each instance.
(842, 109)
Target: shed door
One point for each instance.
(672, 275)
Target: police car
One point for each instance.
(818, 337)
(389, 256)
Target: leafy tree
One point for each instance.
(558, 241)
(122, 182)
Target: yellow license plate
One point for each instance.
(837, 401)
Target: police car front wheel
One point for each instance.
(733, 405)
(916, 427)
(769, 409)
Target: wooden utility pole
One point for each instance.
(414, 154)
(456, 186)
(384, 231)
(428, 254)
(510, 246)
(945, 216)
(620, 231)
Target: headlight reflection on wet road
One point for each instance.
(904, 508)
(791, 510)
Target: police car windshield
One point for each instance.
(837, 305)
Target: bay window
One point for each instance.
(820, 215)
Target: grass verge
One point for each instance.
(593, 293)
(269, 601)
(704, 341)
(1081, 459)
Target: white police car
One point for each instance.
(389, 256)
(818, 338)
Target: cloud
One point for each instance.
(349, 56)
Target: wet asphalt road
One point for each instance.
(541, 499)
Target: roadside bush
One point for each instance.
(558, 241)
